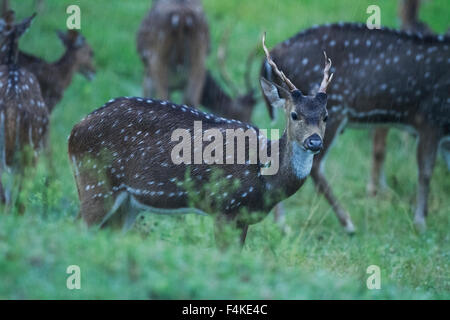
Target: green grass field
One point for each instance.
(166, 257)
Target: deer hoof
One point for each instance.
(420, 224)
(371, 189)
(349, 228)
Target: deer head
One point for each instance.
(84, 55)
(305, 115)
(10, 34)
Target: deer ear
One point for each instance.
(62, 36)
(24, 25)
(79, 40)
(274, 94)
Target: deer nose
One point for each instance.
(313, 143)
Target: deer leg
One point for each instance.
(159, 76)
(148, 86)
(2, 190)
(121, 214)
(96, 204)
(445, 150)
(196, 78)
(279, 214)
(15, 201)
(2, 194)
(321, 182)
(378, 156)
(48, 151)
(426, 157)
(218, 232)
(20, 204)
(244, 228)
(50, 169)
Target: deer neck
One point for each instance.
(66, 67)
(10, 47)
(213, 96)
(294, 167)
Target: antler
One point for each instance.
(326, 77)
(275, 68)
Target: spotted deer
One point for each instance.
(55, 77)
(384, 77)
(123, 160)
(23, 114)
(408, 11)
(173, 43)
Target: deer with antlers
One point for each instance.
(173, 43)
(386, 77)
(124, 158)
(23, 113)
(55, 77)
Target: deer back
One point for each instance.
(381, 75)
(127, 146)
(173, 25)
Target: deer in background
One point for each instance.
(123, 164)
(218, 101)
(385, 77)
(23, 114)
(409, 15)
(55, 77)
(173, 43)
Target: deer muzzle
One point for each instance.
(313, 143)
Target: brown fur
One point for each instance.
(409, 16)
(55, 77)
(173, 43)
(383, 77)
(23, 114)
(121, 154)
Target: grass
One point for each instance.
(165, 257)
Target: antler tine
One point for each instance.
(275, 68)
(326, 77)
(221, 58)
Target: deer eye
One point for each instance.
(294, 116)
